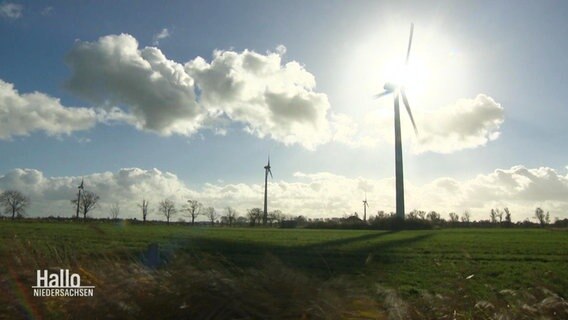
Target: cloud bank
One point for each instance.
(320, 194)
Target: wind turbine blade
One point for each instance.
(381, 94)
(407, 105)
(270, 171)
(409, 42)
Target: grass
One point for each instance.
(293, 273)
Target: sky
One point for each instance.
(186, 100)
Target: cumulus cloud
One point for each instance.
(160, 35)
(320, 194)
(158, 92)
(533, 185)
(467, 124)
(22, 114)
(519, 188)
(11, 10)
(268, 97)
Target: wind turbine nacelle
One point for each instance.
(390, 87)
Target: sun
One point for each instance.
(434, 64)
(413, 76)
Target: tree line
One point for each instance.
(14, 204)
(418, 219)
(193, 209)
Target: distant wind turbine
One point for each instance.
(266, 172)
(365, 205)
(81, 188)
(398, 90)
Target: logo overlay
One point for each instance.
(60, 284)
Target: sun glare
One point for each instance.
(432, 70)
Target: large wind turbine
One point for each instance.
(266, 172)
(398, 90)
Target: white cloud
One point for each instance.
(53, 195)
(158, 92)
(22, 114)
(11, 10)
(467, 124)
(160, 35)
(519, 188)
(519, 183)
(311, 194)
(348, 131)
(269, 98)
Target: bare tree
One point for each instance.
(412, 215)
(493, 216)
(167, 208)
(466, 216)
(193, 208)
(144, 207)
(211, 214)
(241, 221)
(275, 216)
(88, 202)
(381, 214)
(547, 218)
(539, 215)
(14, 203)
(254, 215)
(499, 215)
(114, 210)
(231, 215)
(433, 216)
(454, 218)
(542, 218)
(507, 216)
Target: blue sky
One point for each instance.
(488, 95)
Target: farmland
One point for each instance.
(460, 273)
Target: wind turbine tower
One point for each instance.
(398, 89)
(365, 205)
(81, 187)
(266, 172)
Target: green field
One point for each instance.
(459, 273)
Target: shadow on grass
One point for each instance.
(324, 259)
